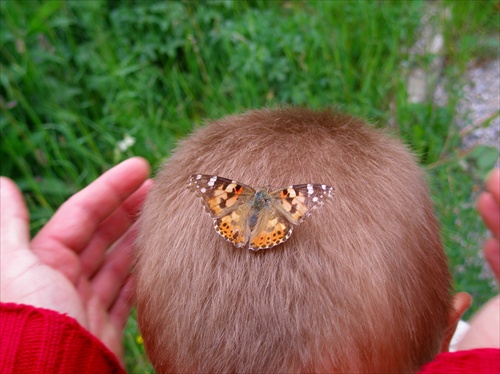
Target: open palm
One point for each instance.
(79, 263)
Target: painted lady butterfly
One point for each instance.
(260, 219)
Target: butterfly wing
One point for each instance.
(271, 229)
(220, 196)
(234, 227)
(227, 202)
(299, 201)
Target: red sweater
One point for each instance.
(43, 341)
(35, 340)
(478, 361)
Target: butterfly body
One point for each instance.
(260, 201)
(259, 219)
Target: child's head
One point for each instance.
(361, 285)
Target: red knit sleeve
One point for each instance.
(35, 340)
(478, 361)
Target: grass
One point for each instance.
(78, 77)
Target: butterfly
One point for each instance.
(259, 219)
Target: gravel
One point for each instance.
(480, 103)
(478, 111)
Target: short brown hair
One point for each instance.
(362, 285)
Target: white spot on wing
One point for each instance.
(203, 190)
(212, 181)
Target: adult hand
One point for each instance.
(79, 263)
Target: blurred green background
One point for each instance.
(87, 84)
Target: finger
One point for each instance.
(492, 256)
(101, 327)
(489, 210)
(14, 219)
(120, 310)
(110, 278)
(75, 223)
(493, 185)
(112, 229)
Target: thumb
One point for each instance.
(492, 255)
(14, 225)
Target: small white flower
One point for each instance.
(126, 143)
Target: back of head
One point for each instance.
(361, 286)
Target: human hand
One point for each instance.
(79, 263)
(488, 205)
(484, 330)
